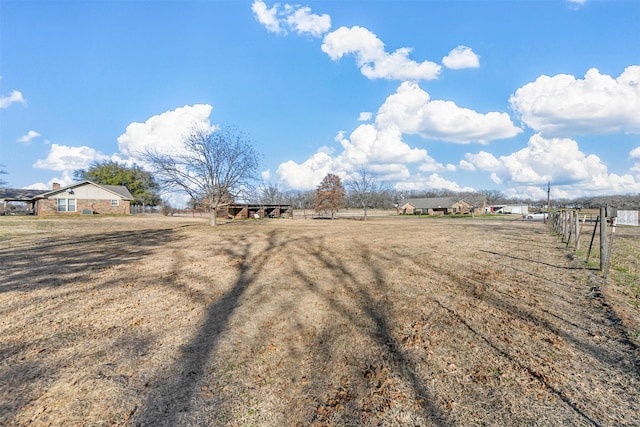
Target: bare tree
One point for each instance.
(302, 200)
(215, 167)
(2, 181)
(330, 195)
(363, 188)
(272, 195)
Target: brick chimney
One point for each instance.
(56, 186)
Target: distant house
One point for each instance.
(442, 206)
(82, 198)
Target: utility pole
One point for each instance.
(548, 202)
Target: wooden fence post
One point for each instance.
(603, 238)
(595, 227)
(579, 228)
(576, 231)
(569, 226)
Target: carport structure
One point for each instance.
(246, 211)
(21, 195)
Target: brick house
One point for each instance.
(441, 206)
(82, 198)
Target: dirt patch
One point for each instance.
(395, 321)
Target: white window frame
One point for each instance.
(66, 205)
(115, 202)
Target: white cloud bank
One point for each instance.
(13, 98)
(163, 132)
(414, 112)
(296, 18)
(558, 160)
(380, 146)
(564, 106)
(461, 57)
(372, 59)
(369, 51)
(29, 137)
(365, 116)
(64, 158)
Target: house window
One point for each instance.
(114, 202)
(66, 205)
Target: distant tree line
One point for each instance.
(380, 197)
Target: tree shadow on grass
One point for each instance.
(618, 357)
(170, 397)
(372, 317)
(46, 264)
(64, 266)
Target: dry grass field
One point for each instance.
(156, 321)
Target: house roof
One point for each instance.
(18, 194)
(27, 195)
(119, 190)
(430, 202)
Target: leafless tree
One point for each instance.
(493, 196)
(303, 199)
(330, 195)
(216, 167)
(2, 181)
(363, 188)
(272, 195)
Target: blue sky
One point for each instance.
(458, 95)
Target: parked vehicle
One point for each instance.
(537, 215)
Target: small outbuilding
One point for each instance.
(521, 209)
(246, 211)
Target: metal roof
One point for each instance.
(27, 195)
(19, 194)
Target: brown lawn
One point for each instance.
(394, 321)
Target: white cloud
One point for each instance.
(302, 21)
(563, 105)
(297, 18)
(163, 132)
(26, 139)
(466, 166)
(64, 180)
(635, 153)
(371, 144)
(309, 173)
(558, 160)
(461, 57)
(433, 181)
(365, 116)
(484, 161)
(372, 59)
(15, 97)
(382, 151)
(67, 159)
(413, 112)
(267, 17)
(381, 147)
